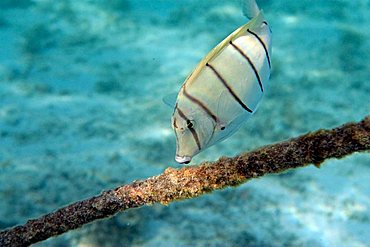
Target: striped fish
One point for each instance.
(224, 89)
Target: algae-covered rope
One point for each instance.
(193, 181)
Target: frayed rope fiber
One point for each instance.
(192, 181)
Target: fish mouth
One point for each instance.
(183, 160)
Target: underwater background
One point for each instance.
(81, 111)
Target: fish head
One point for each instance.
(193, 130)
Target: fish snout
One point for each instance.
(183, 159)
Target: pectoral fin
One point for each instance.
(170, 100)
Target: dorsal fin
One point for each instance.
(253, 24)
(250, 9)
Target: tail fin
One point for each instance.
(250, 8)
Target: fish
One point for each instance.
(225, 88)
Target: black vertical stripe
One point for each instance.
(174, 123)
(177, 142)
(196, 138)
(250, 63)
(192, 130)
(231, 91)
(263, 45)
(200, 104)
(181, 113)
(264, 22)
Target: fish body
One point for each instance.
(224, 89)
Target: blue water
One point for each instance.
(81, 88)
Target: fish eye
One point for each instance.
(189, 124)
(223, 127)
